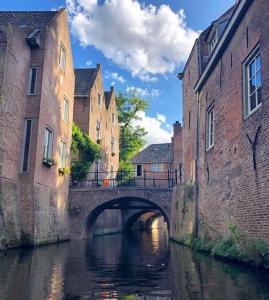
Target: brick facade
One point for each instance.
(87, 112)
(227, 188)
(34, 203)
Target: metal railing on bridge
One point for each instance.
(145, 179)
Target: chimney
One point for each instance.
(177, 127)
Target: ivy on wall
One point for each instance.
(84, 152)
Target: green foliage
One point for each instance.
(132, 138)
(227, 248)
(85, 150)
(189, 190)
(262, 250)
(236, 247)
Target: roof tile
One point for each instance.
(155, 153)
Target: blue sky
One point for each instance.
(142, 45)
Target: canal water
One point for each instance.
(139, 266)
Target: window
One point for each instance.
(62, 154)
(98, 128)
(26, 145)
(253, 83)
(99, 100)
(62, 58)
(66, 110)
(113, 118)
(138, 170)
(112, 145)
(156, 168)
(48, 144)
(32, 81)
(213, 42)
(210, 115)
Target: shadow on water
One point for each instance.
(138, 266)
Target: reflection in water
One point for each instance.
(140, 266)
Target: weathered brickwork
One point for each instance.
(34, 203)
(229, 189)
(86, 205)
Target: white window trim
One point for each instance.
(246, 99)
(52, 137)
(23, 146)
(62, 48)
(64, 115)
(99, 131)
(208, 147)
(62, 142)
(30, 80)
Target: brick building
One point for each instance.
(37, 91)
(225, 128)
(95, 112)
(153, 165)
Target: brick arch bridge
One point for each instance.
(85, 205)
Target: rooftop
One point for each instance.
(84, 79)
(155, 153)
(27, 18)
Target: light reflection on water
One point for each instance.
(140, 266)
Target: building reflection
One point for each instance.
(140, 266)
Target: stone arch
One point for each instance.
(95, 213)
(85, 205)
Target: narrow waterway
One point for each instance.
(138, 266)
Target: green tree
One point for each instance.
(132, 137)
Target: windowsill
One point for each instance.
(31, 95)
(253, 111)
(209, 148)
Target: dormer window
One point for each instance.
(213, 42)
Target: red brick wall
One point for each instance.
(233, 192)
(230, 191)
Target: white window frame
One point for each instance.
(136, 170)
(246, 75)
(213, 42)
(66, 110)
(62, 57)
(210, 127)
(48, 143)
(63, 152)
(154, 168)
(24, 144)
(29, 88)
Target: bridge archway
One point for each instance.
(85, 206)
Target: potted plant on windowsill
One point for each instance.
(113, 154)
(48, 162)
(64, 171)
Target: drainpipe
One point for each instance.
(196, 225)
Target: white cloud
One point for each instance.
(88, 63)
(161, 118)
(115, 76)
(156, 128)
(143, 93)
(143, 39)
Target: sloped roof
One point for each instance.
(83, 81)
(27, 18)
(155, 153)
